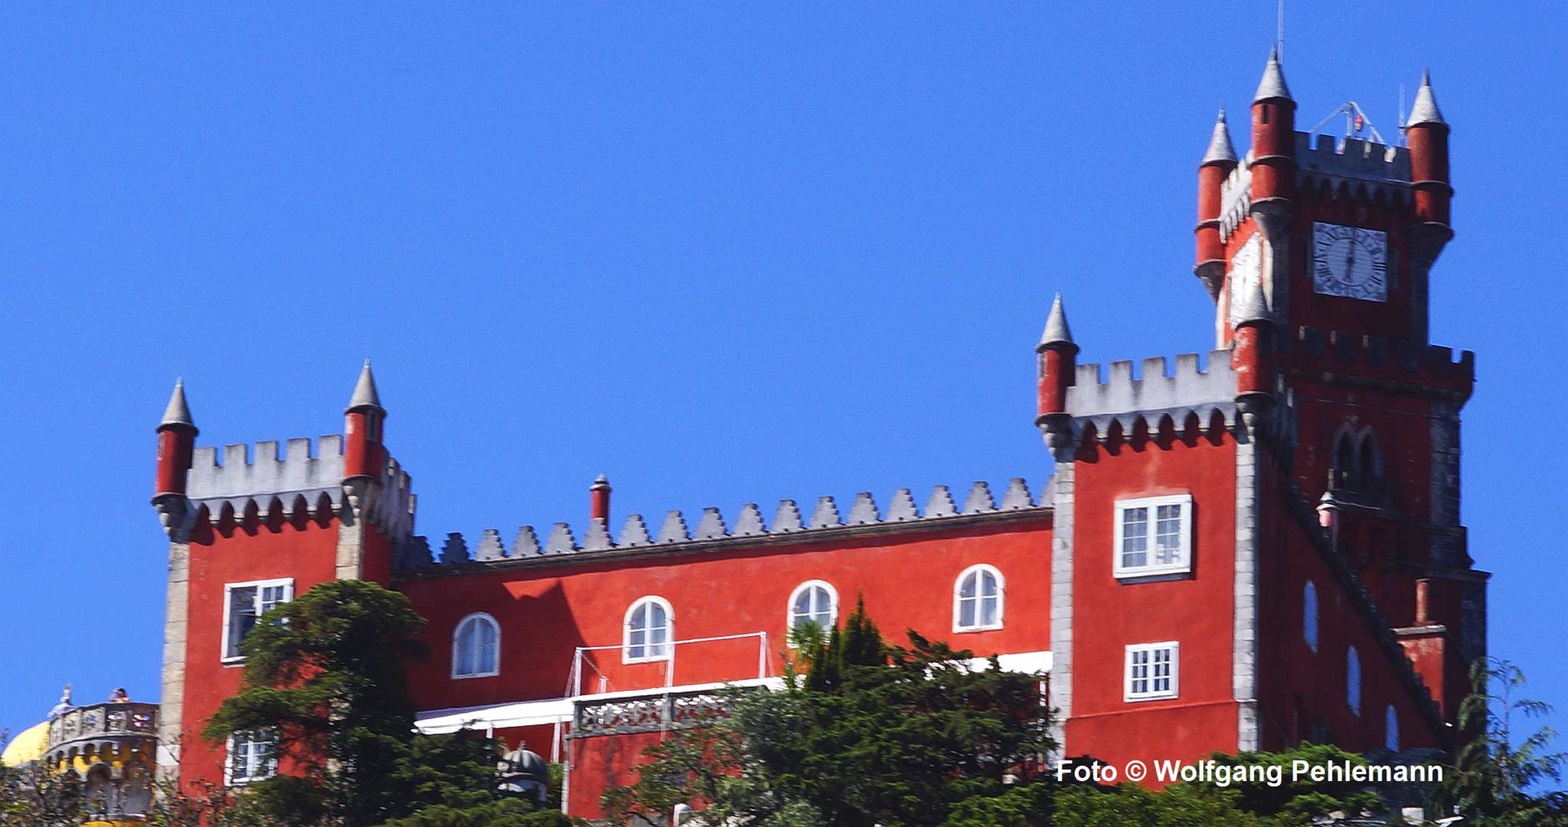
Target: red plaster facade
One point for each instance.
(1300, 504)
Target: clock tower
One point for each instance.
(1335, 238)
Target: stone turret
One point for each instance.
(1058, 366)
(1218, 163)
(176, 443)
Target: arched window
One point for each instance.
(648, 630)
(814, 601)
(1309, 615)
(476, 647)
(1353, 681)
(1344, 462)
(977, 599)
(1391, 729)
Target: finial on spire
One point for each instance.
(1425, 110)
(178, 411)
(1056, 330)
(601, 481)
(365, 395)
(1273, 83)
(1221, 150)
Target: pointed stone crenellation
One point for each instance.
(941, 503)
(902, 508)
(1056, 330)
(864, 510)
(490, 547)
(561, 540)
(711, 526)
(1272, 85)
(455, 550)
(749, 524)
(526, 543)
(1016, 496)
(787, 520)
(674, 529)
(365, 394)
(178, 412)
(1424, 110)
(598, 537)
(1221, 150)
(979, 500)
(635, 532)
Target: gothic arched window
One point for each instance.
(648, 630)
(1353, 681)
(476, 647)
(977, 599)
(1309, 615)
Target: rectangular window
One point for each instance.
(243, 605)
(252, 757)
(1151, 671)
(1153, 536)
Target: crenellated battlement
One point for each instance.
(1155, 390)
(252, 470)
(1352, 158)
(1236, 197)
(748, 527)
(245, 481)
(1376, 357)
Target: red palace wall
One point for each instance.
(302, 551)
(546, 611)
(1109, 615)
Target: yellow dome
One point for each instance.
(27, 746)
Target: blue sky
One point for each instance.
(722, 253)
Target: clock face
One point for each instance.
(1246, 269)
(1350, 262)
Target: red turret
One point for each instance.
(1058, 367)
(1273, 136)
(1252, 351)
(176, 441)
(1426, 133)
(363, 454)
(1217, 164)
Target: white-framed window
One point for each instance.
(649, 630)
(243, 605)
(252, 756)
(476, 647)
(1152, 671)
(978, 599)
(815, 601)
(1391, 729)
(1353, 680)
(1153, 536)
(1309, 615)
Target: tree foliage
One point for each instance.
(31, 795)
(1497, 769)
(325, 675)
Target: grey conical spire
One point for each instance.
(1056, 330)
(178, 412)
(365, 395)
(1425, 108)
(1220, 148)
(1273, 83)
(1254, 307)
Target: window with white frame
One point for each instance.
(243, 605)
(1353, 680)
(476, 647)
(1391, 729)
(813, 601)
(978, 599)
(1151, 671)
(1153, 536)
(648, 630)
(252, 757)
(1309, 615)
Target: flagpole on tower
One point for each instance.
(1279, 37)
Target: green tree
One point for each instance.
(871, 734)
(1495, 771)
(325, 676)
(33, 796)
